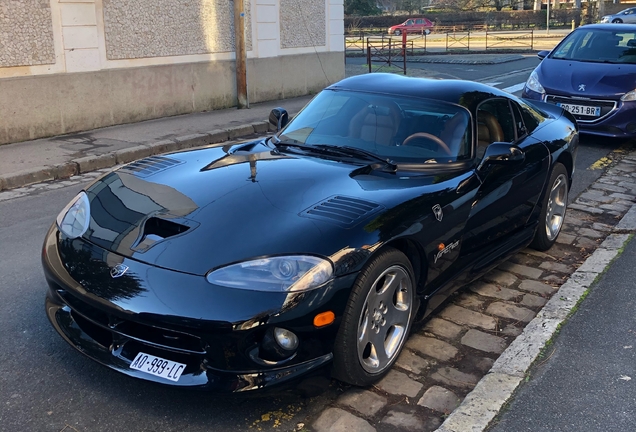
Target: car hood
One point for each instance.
(565, 77)
(195, 211)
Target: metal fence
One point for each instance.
(446, 42)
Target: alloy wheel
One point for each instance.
(556, 207)
(383, 324)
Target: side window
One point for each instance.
(519, 124)
(531, 118)
(419, 21)
(408, 22)
(495, 123)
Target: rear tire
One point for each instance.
(553, 209)
(377, 320)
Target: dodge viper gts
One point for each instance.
(592, 74)
(245, 266)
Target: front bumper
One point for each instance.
(619, 123)
(220, 356)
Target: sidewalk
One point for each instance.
(584, 382)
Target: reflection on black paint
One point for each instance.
(93, 273)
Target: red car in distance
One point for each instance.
(412, 25)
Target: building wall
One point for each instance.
(73, 65)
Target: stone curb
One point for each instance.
(486, 400)
(108, 160)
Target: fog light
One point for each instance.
(286, 339)
(278, 345)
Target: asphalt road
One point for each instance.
(46, 385)
(588, 384)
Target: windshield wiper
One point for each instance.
(359, 153)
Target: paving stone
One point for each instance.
(439, 399)
(412, 362)
(537, 253)
(484, 341)
(521, 270)
(565, 238)
(505, 310)
(593, 234)
(608, 187)
(615, 207)
(398, 383)
(363, 401)
(628, 222)
(484, 364)
(597, 226)
(585, 242)
(443, 328)
(469, 300)
(336, 419)
(587, 197)
(536, 287)
(615, 241)
(624, 196)
(467, 317)
(500, 277)
(572, 220)
(489, 290)
(557, 267)
(585, 208)
(455, 378)
(532, 300)
(511, 330)
(431, 347)
(401, 419)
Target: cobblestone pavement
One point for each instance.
(447, 356)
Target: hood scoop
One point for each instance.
(150, 165)
(342, 210)
(157, 229)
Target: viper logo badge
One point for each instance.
(447, 249)
(118, 271)
(581, 87)
(437, 211)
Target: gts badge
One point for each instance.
(443, 250)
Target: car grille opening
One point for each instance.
(607, 106)
(105, 327)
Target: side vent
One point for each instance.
(150, 165)
(342, 210)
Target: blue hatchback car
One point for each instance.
(592, 74)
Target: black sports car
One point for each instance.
(240, 267)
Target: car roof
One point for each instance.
(466, 93)
(609, 26)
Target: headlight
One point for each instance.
(605, 19)
(534, 84)
(277, 274)
(629, 96)
(74, 218)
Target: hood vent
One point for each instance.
(150, 165)
(342, 210)
(157, 229)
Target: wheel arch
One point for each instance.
(416, 257)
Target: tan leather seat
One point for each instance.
(488, 129)
(377, 122)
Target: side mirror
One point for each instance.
(278, 118)
(501, 153)
(543, 54)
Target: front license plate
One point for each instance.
(157, 366)
(585, 110)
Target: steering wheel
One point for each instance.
(428, 136)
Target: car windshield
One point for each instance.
(598, 45)
(402, 129)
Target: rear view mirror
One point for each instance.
(278, 118)
(501, 153)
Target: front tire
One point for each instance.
(617, 21)
(377, 320)
(553, 209)
(397, 32)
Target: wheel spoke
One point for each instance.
(555, 211)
